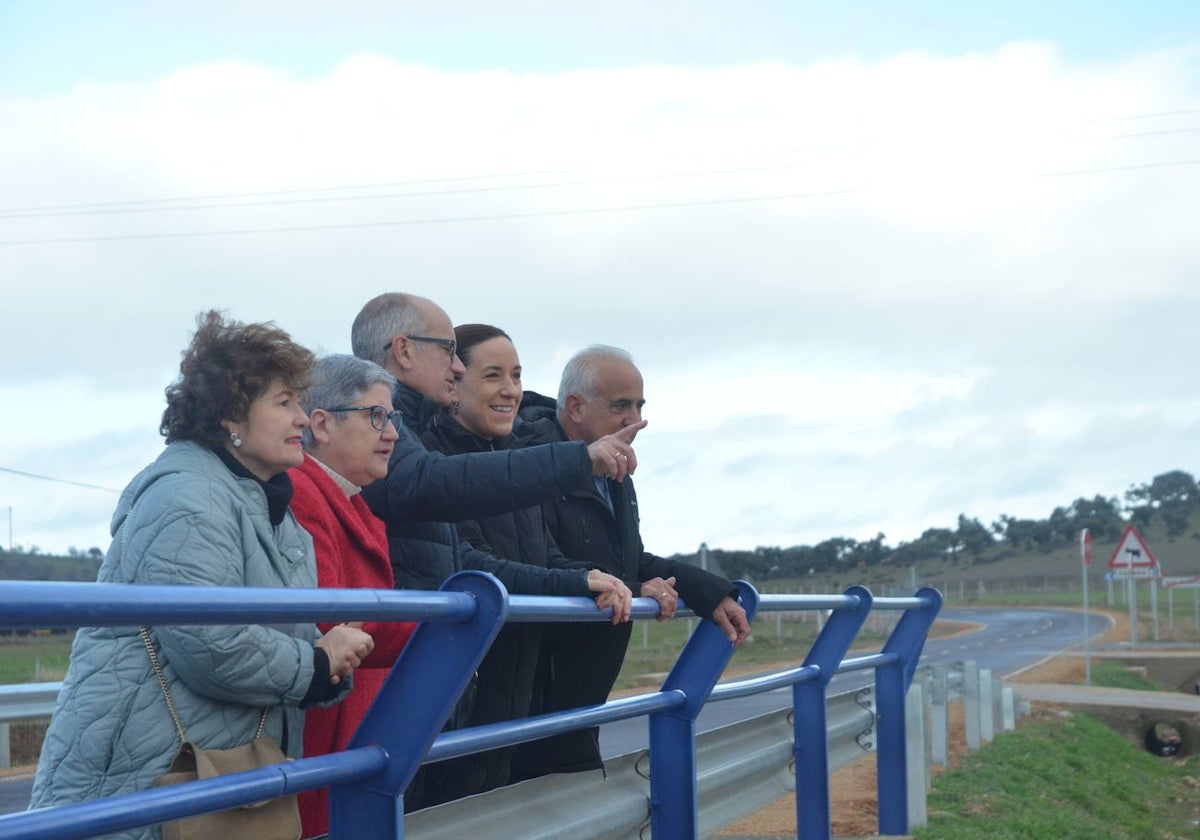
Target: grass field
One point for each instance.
(34, 658)
(1067, 776)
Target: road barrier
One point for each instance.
(684, 791)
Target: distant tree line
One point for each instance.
(1169, 499)
(33, 564)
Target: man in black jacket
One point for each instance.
(412, 338)
(424, 492)
(598, 526)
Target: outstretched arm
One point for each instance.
(432, 487)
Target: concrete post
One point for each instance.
(971, 704)
(939, 726)
(987, 724)
(916, 763)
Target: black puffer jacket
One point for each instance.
(597, 538)
(580, 662)
(425, 491)
(505, 677)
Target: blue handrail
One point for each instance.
(459, 622)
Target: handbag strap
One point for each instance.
(162, 682)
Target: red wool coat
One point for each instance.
(352, 553)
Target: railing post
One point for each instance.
(939, 726)
(891, 686)
(673, 800)
(987, 707)
(809, 746)
(916, 760)
(413, 705)
(971, 716)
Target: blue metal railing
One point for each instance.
(459, 622)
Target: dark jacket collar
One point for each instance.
(537, 420)
(278, 490)
(461, 439)
(418, 410)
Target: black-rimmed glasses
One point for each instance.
(380, 416)
(428, 339)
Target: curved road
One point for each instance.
(1008, 641)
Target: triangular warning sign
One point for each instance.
(1132, 552)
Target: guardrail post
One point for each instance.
(939, 726)
(673, 799)
(1007, 715)
(413, 705)
(987, 720)
(891, 686)
(916, 763)
(810, 746)
(971, 704)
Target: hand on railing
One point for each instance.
(731, 618)
(612, 592)
(664, 592)
(347, 646)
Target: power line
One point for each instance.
(539, 213)
(293, 191)
(1129, 168)
(436, 221)
(57, 480)
(222, 199)
(422, 194)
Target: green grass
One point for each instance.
(771, 643)
(34, 658)
(1109, 674)
(1064, 777)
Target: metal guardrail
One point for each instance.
(459, 623)
(742, 768)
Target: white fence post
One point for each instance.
(939, 725)
(1007, 710)
(987, 721)
(916, 761)
(971, 704)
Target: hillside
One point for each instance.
(17, 565)
(1035, 551)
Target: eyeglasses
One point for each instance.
(380, 416)
(448, 343)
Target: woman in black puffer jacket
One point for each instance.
(489, 394)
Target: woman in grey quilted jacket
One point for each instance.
(212, 510)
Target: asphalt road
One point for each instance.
(1009, 641)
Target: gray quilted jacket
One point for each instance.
(185, 519)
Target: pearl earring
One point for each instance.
(237, 440)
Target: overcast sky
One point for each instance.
(880, 263)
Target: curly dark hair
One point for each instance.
(225, 368)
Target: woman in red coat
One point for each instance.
(347, 445)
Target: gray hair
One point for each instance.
(383, 318)
(579, 375)
(339, 380)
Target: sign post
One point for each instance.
(1085, 549)
(1132, 559)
